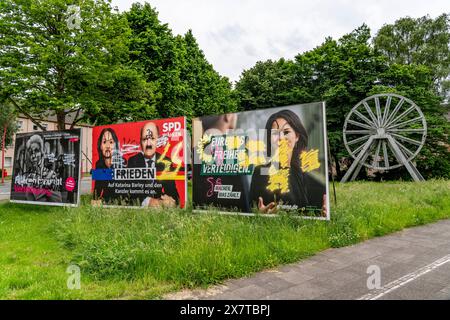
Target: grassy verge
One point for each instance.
(126, 253)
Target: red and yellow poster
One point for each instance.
(140, 163)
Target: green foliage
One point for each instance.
(8, 121)
(114, 67)
(265, 85)
(49, 66)
(137, 253)
(422, 41)
(415, 82)
(342, 73)
(183, 80)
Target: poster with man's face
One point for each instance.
(140, 164)
(47, 168)
(267, 161)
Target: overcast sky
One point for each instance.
(235, 34)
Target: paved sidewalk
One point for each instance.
(413, 264)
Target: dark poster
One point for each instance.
(264, 161)
(47, 167)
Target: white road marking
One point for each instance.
(4, 193)
(391, 286)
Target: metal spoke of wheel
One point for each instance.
(386, 109)
(394, 112)
(385, 155)
(357, 131)
(377, 154)
(363, 117)
(412, 141)
(378, 110)
(358, 140)
(409, 152)
(357, 164)
(385, 138)
(408, 130)
(358, 149)
(359, 124)
(401, 124)
(370, 112)
(396, 156)
(403, 160)
(404, 114)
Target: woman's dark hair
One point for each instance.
(100, 138)
(296, 124)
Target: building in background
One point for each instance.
(26, 125)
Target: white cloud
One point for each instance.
(235, 34)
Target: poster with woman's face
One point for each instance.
(47, 168)
(267, 161)
(140, 164)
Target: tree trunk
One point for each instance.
(3, 153)
(61, 120)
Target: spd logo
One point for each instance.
(171, 126)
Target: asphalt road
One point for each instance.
(5, 188)
(411, 264)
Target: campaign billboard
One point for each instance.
(140, 164)
(264, 161)
(46, 168)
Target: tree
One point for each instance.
(8, 128)
(211, 93)
(8, 121)
(338, 72)
(53, 61)
(266, 84)
(417, 83)
(421, 41)
(175, 67)
(342, 73)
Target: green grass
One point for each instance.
(126, 253)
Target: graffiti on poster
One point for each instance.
(265, 161)
(140, 164)
(47, 167)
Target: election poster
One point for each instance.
(46, 168)
(266, 161)
(140, 164)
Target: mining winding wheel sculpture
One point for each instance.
(384, 132)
